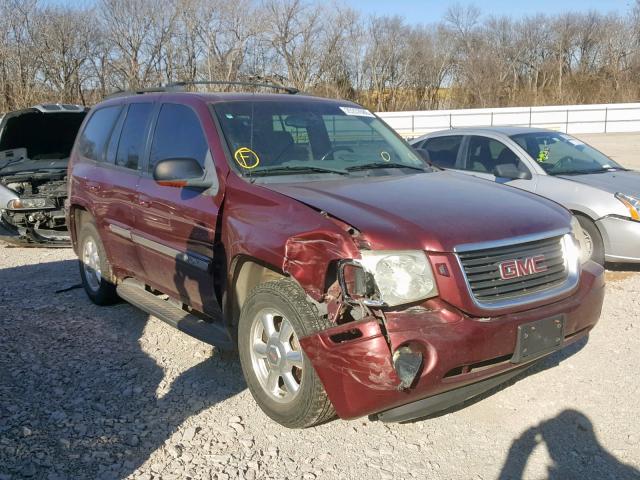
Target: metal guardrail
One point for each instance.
(564, 119)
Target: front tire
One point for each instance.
(592, 239)
(278, 373)
(95, 270)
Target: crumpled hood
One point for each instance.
(613, 182)
(431, 211)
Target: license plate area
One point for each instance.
(538, 338)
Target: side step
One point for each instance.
(211, 333)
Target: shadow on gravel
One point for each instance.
(573, 447)
(77, 393)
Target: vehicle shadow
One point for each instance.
(546, 363)
(573, 447)
(78, 393)
(623, 267)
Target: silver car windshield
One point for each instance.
(562, 154)
(312, 139)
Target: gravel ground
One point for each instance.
(91, 392)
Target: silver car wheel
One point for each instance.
(91, 264)
(276, 356)
(586, 244)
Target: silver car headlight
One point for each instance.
(632, 203)
(400, 276)
(30, 203)
(579, 238)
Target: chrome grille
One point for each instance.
(482, 270)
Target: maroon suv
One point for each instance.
(352, 277)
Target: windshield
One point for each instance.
(268, 138)
(562, 154)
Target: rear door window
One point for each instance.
(133, 136)
(485, 155)
(443, 151)
(95, 135)
(178, 134)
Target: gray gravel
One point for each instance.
(90, 392)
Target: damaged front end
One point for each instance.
(401, 354)
(34, 212)
(358, 361)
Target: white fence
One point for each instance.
(620, 117)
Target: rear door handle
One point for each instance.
(93, 187)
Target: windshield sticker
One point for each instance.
(357, 112)
(573, 141)
(246, 158)
(385, 156)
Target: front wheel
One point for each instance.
(592, 240)
(94, 267)
(279, 375)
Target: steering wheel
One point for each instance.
(562, 161)
(336, 149)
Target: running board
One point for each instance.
(211, 333)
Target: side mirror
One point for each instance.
(510, 171)
(180, 172)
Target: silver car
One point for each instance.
(603, 195)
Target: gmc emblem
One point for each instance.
(522, 267)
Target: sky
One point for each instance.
(428, 11)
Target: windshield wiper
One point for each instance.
(586, 172)
(292, 169)
(373, 165)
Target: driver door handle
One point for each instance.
(144, 201)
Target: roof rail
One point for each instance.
(289, 90)
(179, 86)
(140, 91)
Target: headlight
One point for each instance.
(578, 247)
(29, 203)
(400, 276)
(632, 203)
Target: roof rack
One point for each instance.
(179, 86)
(289, 90)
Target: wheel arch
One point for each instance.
(246, 273)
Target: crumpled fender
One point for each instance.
(308, 256)
(284, 233)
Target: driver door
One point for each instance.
(490, 159)
(175, 227)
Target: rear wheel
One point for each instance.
(95, 270)
(592, 240)
(279, 375)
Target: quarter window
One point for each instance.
(132, 138)
(94, 138)
(178, 134)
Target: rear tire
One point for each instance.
(278, 373)
(592, 238)
(95, 270)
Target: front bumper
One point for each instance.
(354, 362)
(21, 236)
(621, 239)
